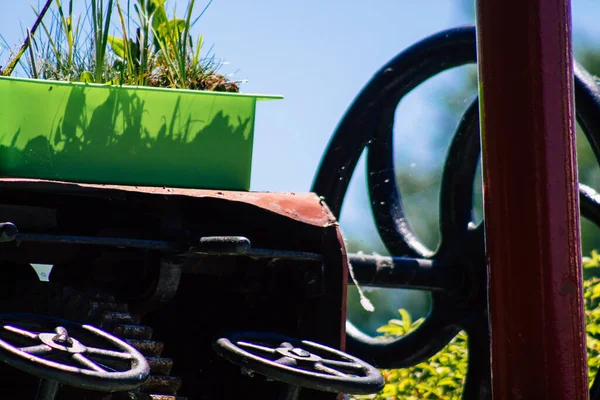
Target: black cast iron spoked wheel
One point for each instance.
(300, 363)
(70, 353)
(368, 126)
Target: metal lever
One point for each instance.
(47, 390)
(222, 245)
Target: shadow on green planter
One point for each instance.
(179, 142)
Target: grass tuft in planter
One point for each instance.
(139, 107)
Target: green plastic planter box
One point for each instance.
(126, 135)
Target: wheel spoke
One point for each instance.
(290, 362)
(106, 367)
(108, 353)
(323, 368)
(318, 349)
(21, 332)
(342, 364)
(86, 362)
(256, 347)
(38, 349)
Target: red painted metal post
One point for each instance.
(530, 196)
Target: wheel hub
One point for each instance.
(297, 353)
(61, 341)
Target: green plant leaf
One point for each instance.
(177, 26)
(153, 6)
(593, 329)
(156, 8)
(171, 30)
(196, 56)
(595, 291)
(406, 319)
(87, 77)
(117, 45)
(448, 382)
(406, 384)
(391, 330)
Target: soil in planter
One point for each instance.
(212, 82)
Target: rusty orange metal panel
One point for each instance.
(303, 207)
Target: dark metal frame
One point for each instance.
(456, 271)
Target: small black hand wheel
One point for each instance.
(47, 347)
(300, 363)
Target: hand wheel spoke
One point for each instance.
(108, 353)
(323, 368)
(21, 332)
(86, 362)
(258, 347)
(290, 362)
(347, 365)
(316, 349)
(38, 349)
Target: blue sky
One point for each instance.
(318, 54)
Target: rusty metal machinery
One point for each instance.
(170, 273)
(201, 282)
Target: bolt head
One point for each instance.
(300, 353)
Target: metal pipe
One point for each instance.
(290, 392)
(98, 241)
(47, 389)
(163, 245)
(530, 199)
(400, 272)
